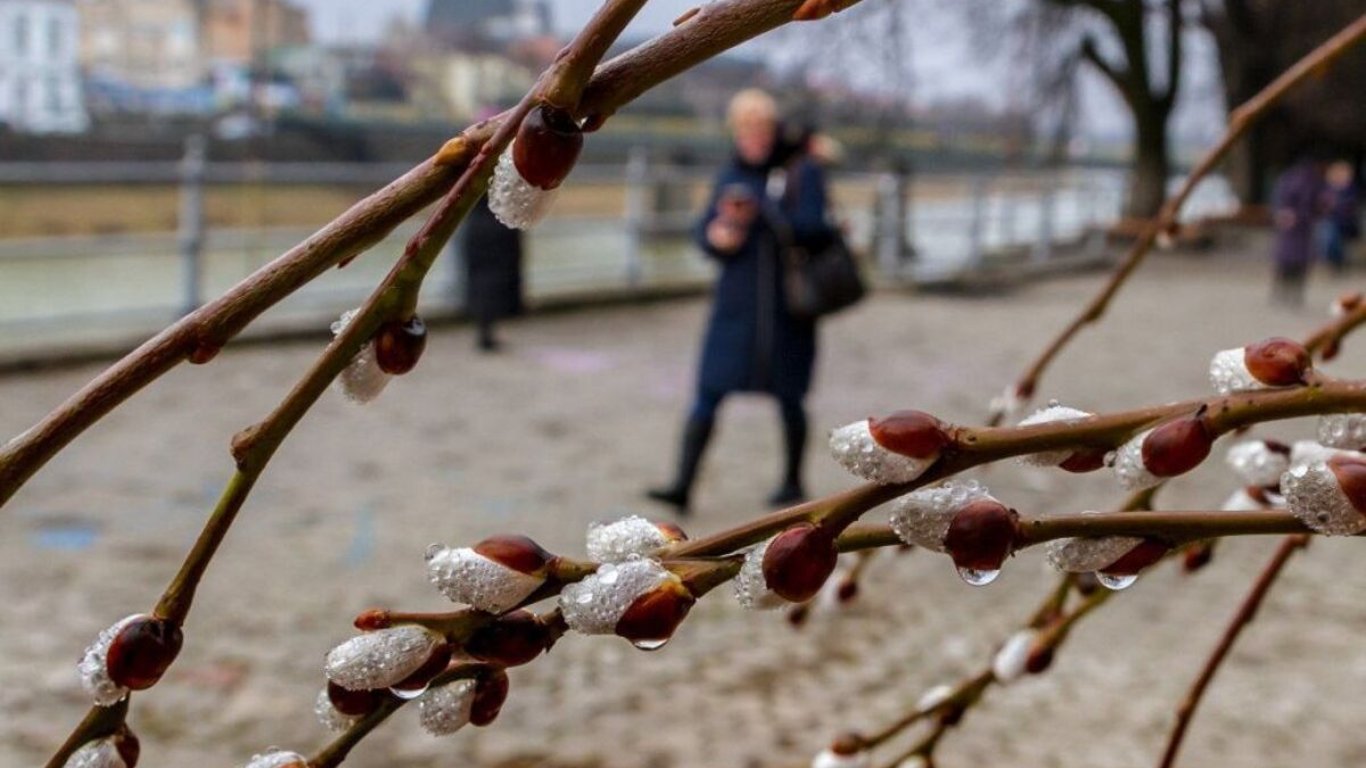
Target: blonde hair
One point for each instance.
(750, 105)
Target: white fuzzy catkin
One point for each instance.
(328, 715)
(445, 710)
(828, 758)
(465, 576)
(922, 517)
(750, 586)
(1314, 495)
(1053, 413)
(1343, 430)
(618, 541)
(1128, 466)
(1228, 372)
(934, 698)
(1256, 463)
(361, 380)
(594, 605)
(278, 758)
(855, 449)
(100, 753)
(516, 202)
(1008, 665)
(93, 667)
(1083, 555)
(381, 658)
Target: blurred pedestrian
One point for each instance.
(1341, 222)
(752, 342)
(493, 271)
(1296, 205)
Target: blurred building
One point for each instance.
(243, 31)
(459, 22)
(40, 88)
(142, 44)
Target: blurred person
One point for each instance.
(1295, 208)
(1341, 223)
(492, 256)
(752, 342)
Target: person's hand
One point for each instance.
(725, 236)
(737, 211)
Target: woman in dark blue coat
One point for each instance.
(753, 343)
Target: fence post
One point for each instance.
(191, 222)
(977, 227)
(890, 218)
(637, 187)
(1043, 248)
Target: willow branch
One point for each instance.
(1327, 340)
(718, 27)
(1246, 613)
(1240, 121)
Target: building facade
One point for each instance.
(145, 44)
(40, 85)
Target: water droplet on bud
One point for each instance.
(1116, 582)
(976, 577)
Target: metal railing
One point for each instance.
(72, 292)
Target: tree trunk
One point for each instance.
(1148, 177)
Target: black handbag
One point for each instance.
(818, 281)
(821, 282)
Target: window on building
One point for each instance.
(54, 94)
(54, 37)
(20, 34)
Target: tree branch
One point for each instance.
(1246, 613)
(1240, 121)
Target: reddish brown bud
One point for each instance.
(399, 345)
(490, 691)
(848, 591)
(981, 535)
(353, 703)
(672, 532)
(128, 747)
(548, 144)
(1086, 584)
(798, 614)
(910, 433)
(433, 666)
(1084, 461)
(142, 652)
(1330, 349)
(373, 619)
(203, 352)
(1197, 556)
(650, 620)
(514, 639)
(1135, 560)
(798, 561)
(1177, 447)
(1349, 300)
(849, 743)
(1040, 658)
(1277, 362)
(516, 552)
(1351, 475)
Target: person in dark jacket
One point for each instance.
(752, 342)
(1295, 207)
(492, 255)
(1341, 217)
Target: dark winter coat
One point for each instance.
(752, 343)
(1298, 190)
(493, 264)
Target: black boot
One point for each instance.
(695, 437)
(794, 443)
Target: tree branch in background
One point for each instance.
(1240, 120)
(1246, 613)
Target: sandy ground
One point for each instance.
(567, 427)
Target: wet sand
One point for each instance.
(567, 426)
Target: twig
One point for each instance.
(1327, 340)
(719, 26)
(1246, 613)
(1240, 120)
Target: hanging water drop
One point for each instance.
(408, 694)
(1116, 582)
(977, 577)
(650, 645)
